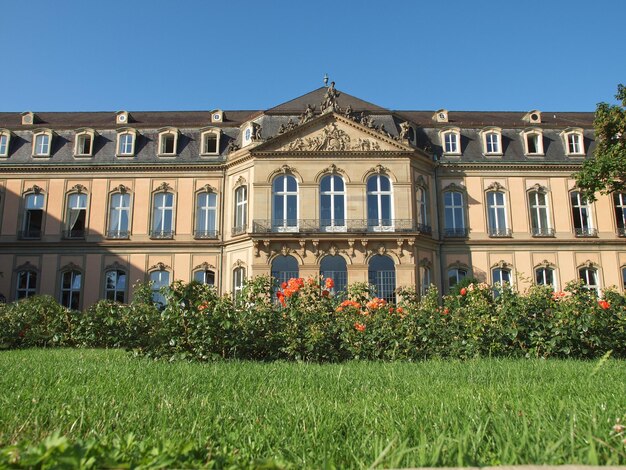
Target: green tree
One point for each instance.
(606, 172)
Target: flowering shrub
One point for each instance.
(305, 319)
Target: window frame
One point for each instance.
(545, 268)
(456, 270)
(240, 222)
(5, 134)
(161, 233)
(331, 225)
(42, 133)
(72, 271)
(163, 134)
(569, 151)
(156, 295)
(67, 231)
(455, 230)
(580, 207)
(120, 134)
(26, 231)
(203, 141)
(239, 281)
(29, 291)
(526, 135)
(79, 135)
(548, 230)
(590, 269)
(119, 234)
(286, 223)
(456, 132)
(206, 233)
(204, 271)
(620, 221)
(423, 207)
(487, 141)
(115, 290)
(494, 208)
(380, 223)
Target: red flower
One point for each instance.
(281, 298)
(359, 326)
(329, 283)
(283, 285)
(446, 311)
(325, 293)
(400, 310)
(463, 291)
(604, 305)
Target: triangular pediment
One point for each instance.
(332, 132)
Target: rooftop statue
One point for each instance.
(330, 98)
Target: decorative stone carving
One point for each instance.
(420, 182)
(121, 189)
(425, 263)
(329, 103)
(27, 266)
(71, 266)
(298, 145)
(78, 188)
(457, 264)
(209, 189)
(366, 145)
(404, 130)
(495, 186)
(588, 264)
(545, 264)
(502, 265)
(333, 169)
(351, 246)
(364, 242)
(302, 244)
(204, 267)
(285, 250)
(240, 181)
(34, 189)
(257, 248)
(333, 250)
(160, 266)
(285, 169)
(115, 266)
(400, 243)
(232, 146)
(268, 251)
(316, 244)
(309, 113)
(539, 188)
(256, 133)
(381, 250)
(379, 169)
(411, 243)
(163, 187)
(239, 264)
(454, 187)
(348, 112)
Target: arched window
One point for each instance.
(539, 215)
(335, 268)
(119, 216)
(455, 275)
(422, 209)
(451, 142)
(206, 215)
(284, 268)
(71, 284)
(42, 143)
(162, 215)
(533, 141)
(382, 275)
(501, 276)
(115, 285)
(496, 214)
(492, 141)
(26, 284)
(581, 215)
(241, 210)
(210, 142)
(379, 203)
(33, 215)
(239, 280)
(332, 204)
(76, 215)
(573, 139)
(83, 142)
(205, 276)
(159, 279)
(544, 276)
(5, 137)
(624, 278)
(126, 142)
(589, 276)
(168, 141)
(454, 218)
(425, 279)
(285, 204)
(619, 202)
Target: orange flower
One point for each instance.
(390, 309)
(463, 291)
(376, 303)
(329, 283)
(359, 326)
(445, 311)
(281, 298)
(604, 305)
(400, 310)
(283, 285)
(325, 293)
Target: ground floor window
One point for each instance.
(382, 275)
(335, 268)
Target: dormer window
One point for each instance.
(42, 143)
(126, 142)
(492, 141)
(83, 146)
(168, 142)
(573, 139)
(533, 141)
(451, 141)
(5, 137)
(211, 142)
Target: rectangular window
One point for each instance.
(539, 214)
(493, 142)
(167, 144)
(76, 216)
(125, 144)
(545, 277)
(4, 145)
(210, 144)
(581, 215)
(241, 210)
(42, 145)
(70, 289)
(115, 286)
(119, 210)
(239, 276)
(33, 216)
(454, 219)
(532, 142)
(26, 284)
(619, 201)
(496, 211)
(451, 142)
(159, 280)
(83, 144)
(573, 142)
(163, 216)
(206, 215)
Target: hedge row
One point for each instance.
(305, 320)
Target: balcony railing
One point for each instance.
(542, 232)
(118, 234)
(30, 234)
(586, 232)
(341, 226)
(455, 232)
(205, 234)
(74, 234)
(621, 231)
(239, 229)
(499, 232)
(162, 234)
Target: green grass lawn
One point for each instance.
(435, 413)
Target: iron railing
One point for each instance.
(30, 234)
(542, 232)
(239, 229)
(205, 234)
(586, 232)
(499, 232)
(118, 234)
(162, 234)
(338, 226)
(74, 234)
(460, 232)
(621, 231)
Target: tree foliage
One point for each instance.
(606, 173)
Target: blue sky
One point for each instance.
(188, 55)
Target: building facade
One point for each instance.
(323, 184)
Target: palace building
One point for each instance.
(326, 183)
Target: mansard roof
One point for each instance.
(314, 98)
